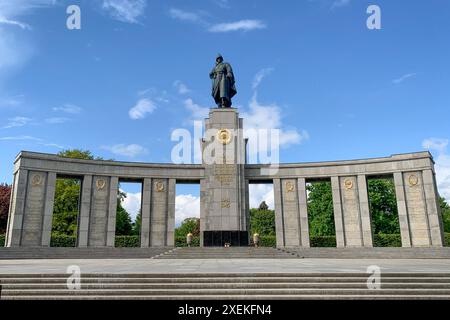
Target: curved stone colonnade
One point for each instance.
(30, 217)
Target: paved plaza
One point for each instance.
(223, 265)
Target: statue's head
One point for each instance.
(219, 58)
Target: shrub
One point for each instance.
(61, 240)
(127, 241)
(447, 239)
(2, 240)
(323, 241)
(387, 240)
(181, 242)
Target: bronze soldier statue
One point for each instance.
(223, 88)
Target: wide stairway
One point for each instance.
(226, 253)
(344, 285)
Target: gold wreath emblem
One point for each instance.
(36, 180)
(290, 186)
(348, 184)
(159, 186)
(413, 180)
(100, 184)
(224, 136)
(225, 203)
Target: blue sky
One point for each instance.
(137, 70)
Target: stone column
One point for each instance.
(48, 209)
(366, 225)
(98, 218)
(203, 210)
(279, 220)
(351, 211)
(338, 215)
(303, 211)
(145, 212)
(402, 210)
(433, 208)
(159, 212)
(287, 195)
(34, 209)
(416, 209)
(112, 212)
(170, 230)
(85, 209)
(17, 209)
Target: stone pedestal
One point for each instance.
(224, 202)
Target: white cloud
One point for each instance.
(132, 203)
(260, 76)
(141, 109)
(56, 120)
(181, 87)
(186, 206)
(14, 23)
(17, 122)
(22, 137)
(403, 78)
(197, 112)
(242, 25)
(185, 15)
(442, 164)
(222, 3)
(13, 51)
(68, 108)
(340, 3)
(269, 117)
(11, 101)
(127, 150)
(125, 10)
(259, 193)
(440, 145)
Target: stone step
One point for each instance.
(235, 297)
(191, 286)
(228, 275)
(199, 280)
(227, 291)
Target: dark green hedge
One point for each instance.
(181, 242)
(127, 241)
(323, 241)
(63, 241)
(385, 240)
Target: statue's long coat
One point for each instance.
(222, 82)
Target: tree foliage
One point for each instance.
(383, 206)
(5, 195)
(189, 225)
(320, 209)
(262, 221)
(445, 210)
(66, 206)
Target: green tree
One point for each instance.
(383, 206)
(5, 194)
(137, 224)
(65, 210)
(189, 225)
(124, 226)
(445, 210)
(320, 209)
(262, 220)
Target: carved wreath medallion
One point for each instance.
(348, 184)
(290, 186)
(413, 180)
(100, 184)
(224, 136)
(36, 180)
(159, 186)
